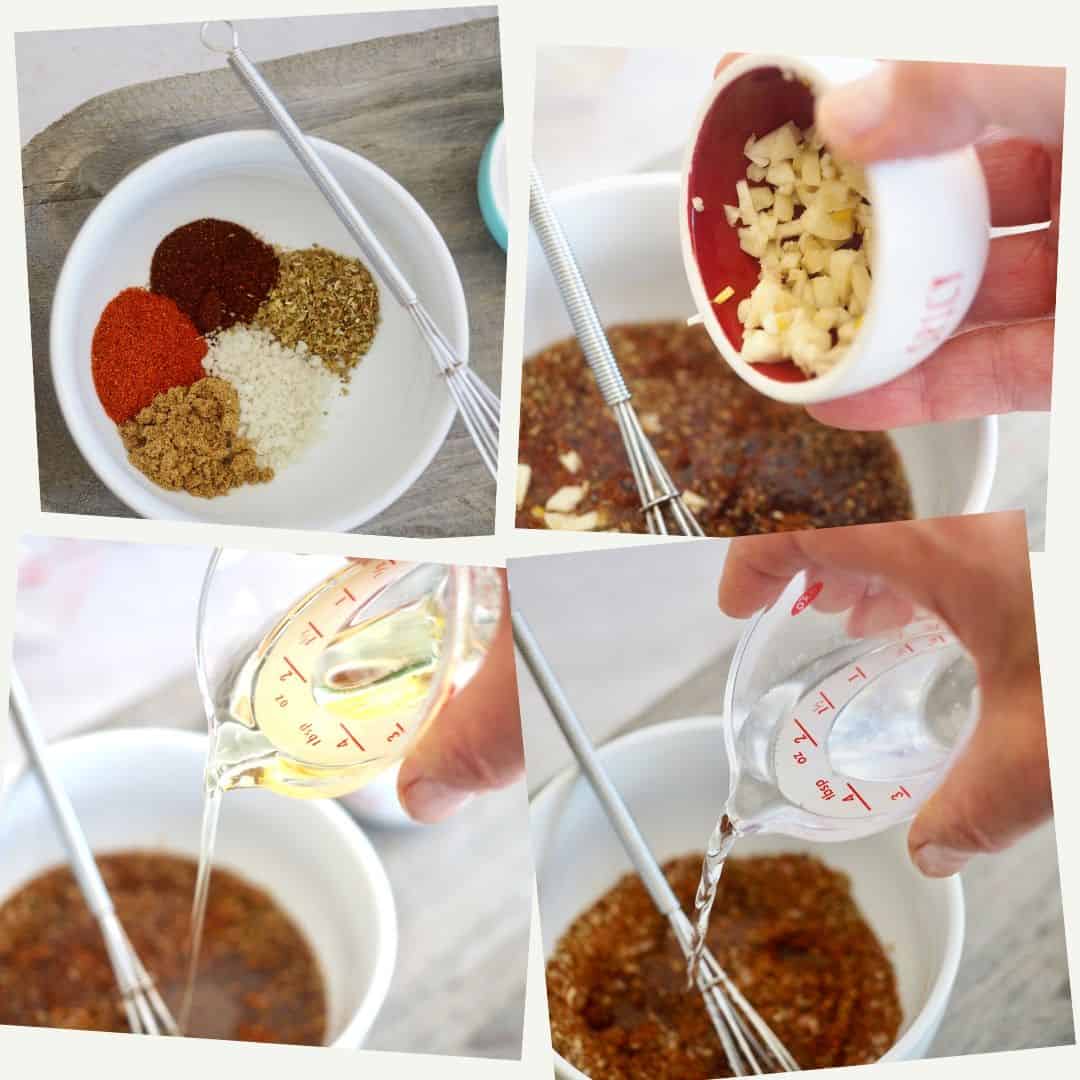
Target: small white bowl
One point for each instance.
(142, 789)
(673, 777)
(380, 437)
(623, 230)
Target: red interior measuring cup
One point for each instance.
(753, 104)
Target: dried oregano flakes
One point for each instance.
(326, 301)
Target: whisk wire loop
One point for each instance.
(655, 488)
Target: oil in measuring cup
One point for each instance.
(332, 692)
(830, 737)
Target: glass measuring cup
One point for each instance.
(318, 673)
(831, 737)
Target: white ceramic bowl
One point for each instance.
(380, 437)
(624, 231)
(142, 789)
(673, 777)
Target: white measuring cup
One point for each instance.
(317, 673)
(831, 737)
(931, 230)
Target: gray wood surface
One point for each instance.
(421, 106)
(1012, 991)
(463, 891)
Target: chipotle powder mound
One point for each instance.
(142, 346)
(787, 931)
(258, 978)
(217, 272)
(754, 465)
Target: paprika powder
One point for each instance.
(142, 346)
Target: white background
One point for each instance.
(1039, 31)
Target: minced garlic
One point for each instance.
(808, 222)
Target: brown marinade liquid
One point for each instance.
(787, 931)
(761, 465)
(258, 979)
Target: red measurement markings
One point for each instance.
(855, 795)
(936, 639)
(856, 674)
(348, 596)
(824, 704)
(308, 637)
(900, 793)
(808, 597)
(382, 566)
(351, 738)
(293, 670)
(939, 308)
(805, 734)
(826, 790)
(396, 733)
(800, 757)
(310, 737)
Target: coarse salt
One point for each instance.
(283, 392)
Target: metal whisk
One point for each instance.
(654, 486)
(750, 1045)
(475, 400)
(147, 1013)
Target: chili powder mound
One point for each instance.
(758, 465)
(258, 979)
(218, 272)
(142, 346)
(787, 931)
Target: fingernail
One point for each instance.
(937, 861)
(430, 801)
(851, 111)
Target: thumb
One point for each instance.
(997, 790)
(473, 744)
(913, 109)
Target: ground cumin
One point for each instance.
(187, 440)
(785, 928)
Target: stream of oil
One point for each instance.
(371, 673)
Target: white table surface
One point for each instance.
(60, 69)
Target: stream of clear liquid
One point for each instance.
(717, 851)
(207, 840)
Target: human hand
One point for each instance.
(474, 744)
(1000, 359)
(973, 572)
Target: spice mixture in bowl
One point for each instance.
(258, 980)
(301, 931)
(745, 463)
(220, 355)
(845, 948)
(786, 930)
(763, 465)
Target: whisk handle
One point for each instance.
(617, 811)
(82, 859)
(588, 328)
(324, 179)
